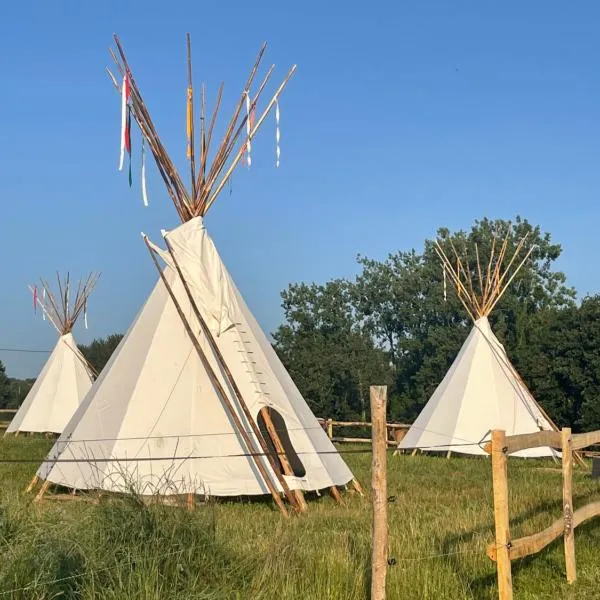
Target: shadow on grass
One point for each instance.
(480, 586)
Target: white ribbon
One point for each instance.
(85, 315)
(248, 129)
(144, 193)
(277, 133)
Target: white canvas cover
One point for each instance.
(480, 392)
(155, 400)
(56, 393)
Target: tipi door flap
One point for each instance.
(275, 432)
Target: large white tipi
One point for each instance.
(66, 377)
(194, 400)
(482, 390)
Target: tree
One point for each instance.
(562, 365)
(4, 388)
(406, 309)
(330, 358)
(100, 350)
(19, 388)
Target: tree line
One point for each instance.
(399, 323)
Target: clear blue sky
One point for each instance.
(403, 117)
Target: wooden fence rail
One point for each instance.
(505, 549)
(6, 415)
(396, 431)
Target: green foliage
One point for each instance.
(12, 391)
(100, 350)
(328, 355)
(19, 388)
(561, 360)
(5, 388)
(336, 335)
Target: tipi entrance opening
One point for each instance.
(287, 449)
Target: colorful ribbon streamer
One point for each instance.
(125, 92)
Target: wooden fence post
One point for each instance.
(378, 395)
(329, 428)
(501, 518)
(569, 532)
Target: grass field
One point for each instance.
(440, 524)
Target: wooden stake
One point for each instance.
(335, 494)
(329, 428)
(379, 484)
(32, 484)
(357, 487)
(501, 517)
(254, 452)
(42, 491)
(238, 394)
(283, 458)
(190, 501)
(569, 532)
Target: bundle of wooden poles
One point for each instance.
(207, 180)
(493, 277)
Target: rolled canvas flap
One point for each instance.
(204, 273)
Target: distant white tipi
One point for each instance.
(194, 400)
(482, 390)
(66, 377)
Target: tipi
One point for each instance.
(482, 390)
(66, 377)
(194, 400)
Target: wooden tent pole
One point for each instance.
(254, 453)
(291, 497)
(335, 494)
(357, 487)
(190, 117)
(283, 458)
(190, 501)
(32, 484)
(240, 152)
(42, 491)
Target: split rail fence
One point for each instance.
(395, 431)
(6, 415)
(505, 549)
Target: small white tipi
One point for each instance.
(482, 390)
(195, 400)
(66, 377)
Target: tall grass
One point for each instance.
(440, 524)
